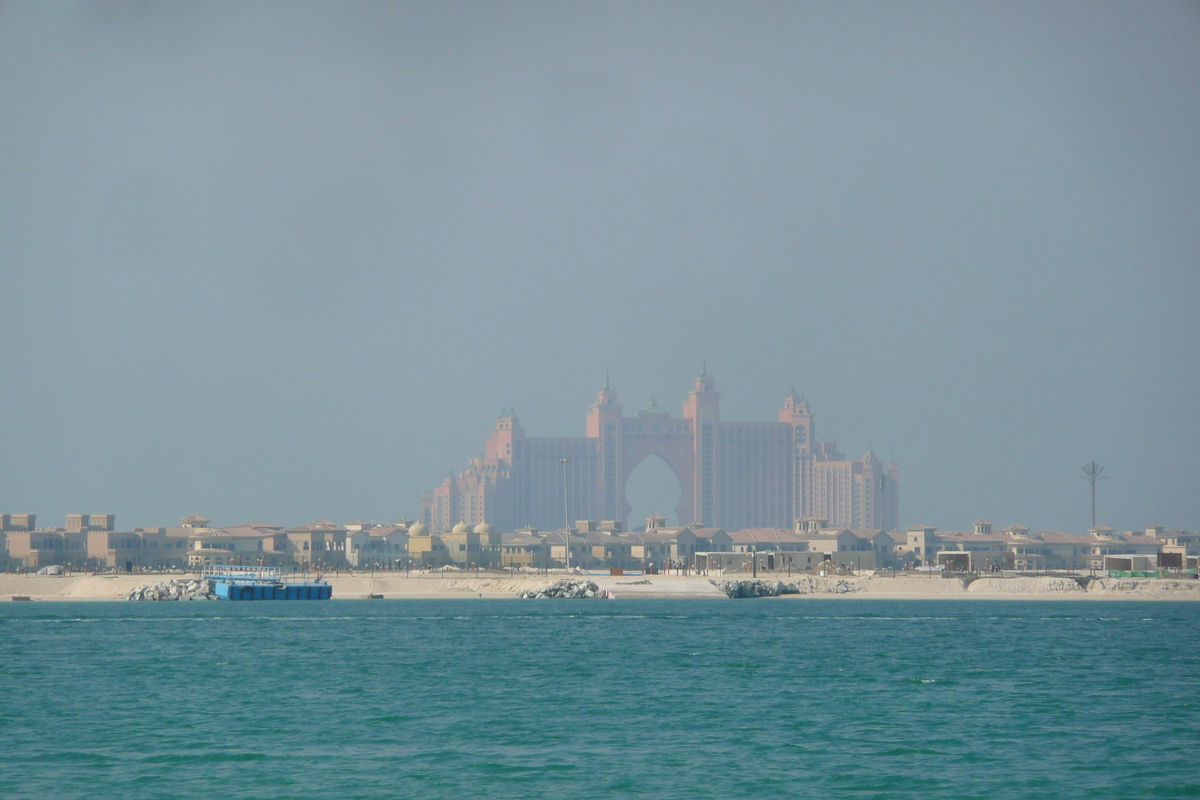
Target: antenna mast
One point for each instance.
(1092, 473)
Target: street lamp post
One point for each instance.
(566, 514)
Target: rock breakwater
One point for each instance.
(568, 590)
(195, 589)
(803, 585)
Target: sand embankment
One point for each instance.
(350, 586)
(465, 584)
(1027, 587)
(73, 587)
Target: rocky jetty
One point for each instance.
(195, 589)
(804, 585)
(568, 589)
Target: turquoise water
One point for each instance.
(589, 699)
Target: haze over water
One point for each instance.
(670, 699)
(283, 262)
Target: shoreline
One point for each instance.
(464, 585)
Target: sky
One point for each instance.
(280, 262)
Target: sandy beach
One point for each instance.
(352, 586)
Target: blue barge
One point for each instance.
(262, 583)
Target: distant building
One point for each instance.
(320, 544)
(383, 545)
(251, 544)
(733, 475)
(18, 522)
(89, 540)
(1018, 547)
(38, 547)
(141, 547)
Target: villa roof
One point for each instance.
(972, 536)
(384, 530)
(642, 537)
(519, 539)
(705, 533)
(663, 534)
(1062, 537)
(320, 525)
(752, 535)
(818, 537)
(600, 537)
(699, 533)
(231, 532)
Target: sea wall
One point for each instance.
(1149, 587)
(1029, 585)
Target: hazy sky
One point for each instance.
(281, 262)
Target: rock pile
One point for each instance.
(567, 589)
(810, 584)
(754, 588)
(805, 585)
(195, 589)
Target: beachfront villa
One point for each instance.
(92, 541)
(376, 544)
(1018, 547)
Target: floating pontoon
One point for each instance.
(231, 582)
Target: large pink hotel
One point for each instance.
(734, 475)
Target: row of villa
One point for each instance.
(92, 541)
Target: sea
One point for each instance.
(563, 699)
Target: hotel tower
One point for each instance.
(733, 475)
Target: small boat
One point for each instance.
(232, 582)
